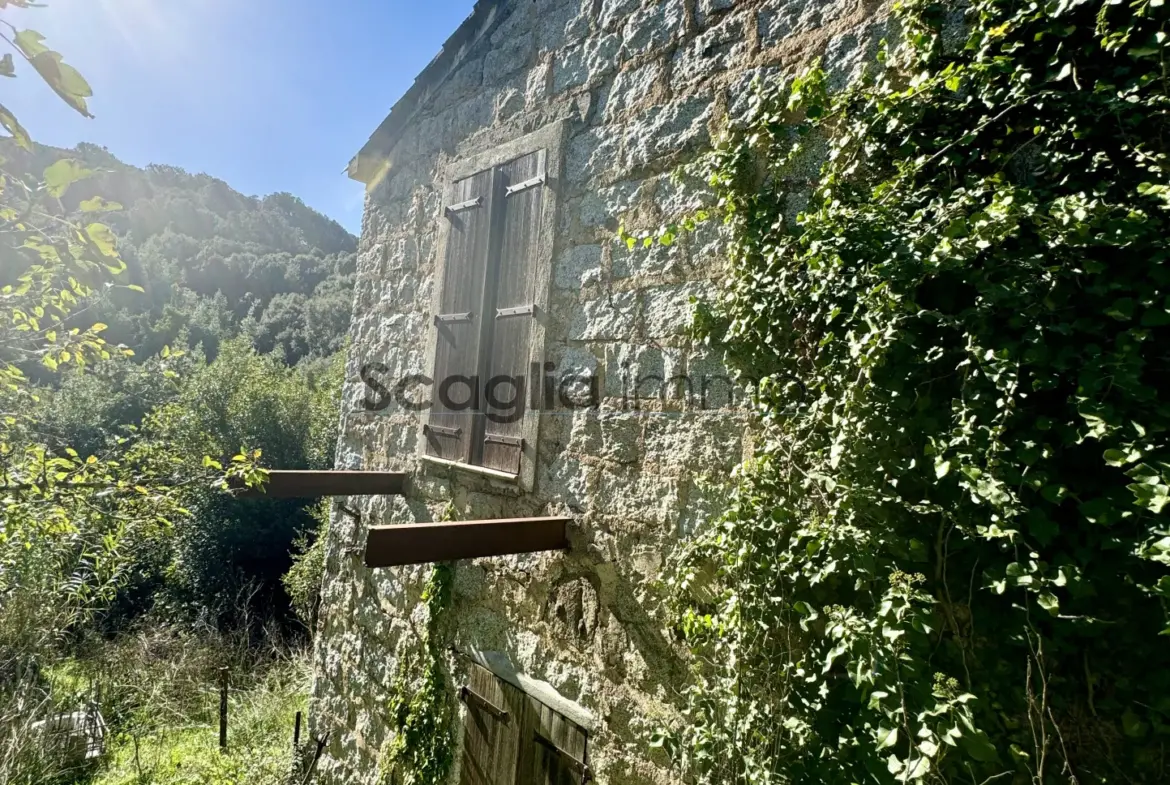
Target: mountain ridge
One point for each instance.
(213, 263)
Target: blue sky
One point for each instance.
(267, 95)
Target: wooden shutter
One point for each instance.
(556, 749)
(460, 323)
(491, 738)
(514, 313)
(510, 738)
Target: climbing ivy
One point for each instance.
(420, 711)
(947, 560)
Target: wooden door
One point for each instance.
(556, 750)
(510, 738)
(491, 737)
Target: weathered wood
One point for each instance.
(509, 349)
(491, 743)
(560, 750)
(223, 708)
(296, 484)
(470, 696)
(423, 543)
(455, 393)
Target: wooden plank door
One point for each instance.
(553, 749)
(491, 737)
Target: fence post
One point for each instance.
(223, 708)
(297, 760)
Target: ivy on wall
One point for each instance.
(419, 752)
(948, 560)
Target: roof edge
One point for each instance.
(370, 162)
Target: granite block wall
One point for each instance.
(642, 86)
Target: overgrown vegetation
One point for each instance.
(419, 752)
(159, 695)
(948, 561)
(129, 575)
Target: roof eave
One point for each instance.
(370, 163)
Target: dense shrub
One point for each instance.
(948, 559)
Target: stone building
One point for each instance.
(496, 186)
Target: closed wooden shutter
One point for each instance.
(451, 429)
(491, 735)
(556, 755)
(510, 738)
(508, 375)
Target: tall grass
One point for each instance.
(158, 689)
(163, 696)
(32, 632)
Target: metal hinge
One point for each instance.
(448, 318)
(461, 206)
(470, 697)
(443, 430)
(544, 741)
(524, 186)
(516, 310)
(511, 441)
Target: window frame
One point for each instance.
(550, 139)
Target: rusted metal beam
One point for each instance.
(422, 543)
(296, 484)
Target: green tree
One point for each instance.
(231, 547)
(67, 520)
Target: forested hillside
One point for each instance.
(159, 331)
(213, 263)
(234, 309)
(163, 340)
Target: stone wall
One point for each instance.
(642, 86)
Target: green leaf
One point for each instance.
(103, 238)
(61, 77)
(916, 770)
(1049, 602)
(60, 175)
(29, 42)
(1116, 457)
(7, 66)
(1121, 309)
(13, 126)
(979, 747)
(886, 737)
(1132, 725)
